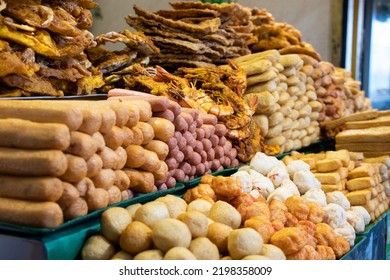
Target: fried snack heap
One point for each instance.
(42, 47)
(117, 66)
(196, 34)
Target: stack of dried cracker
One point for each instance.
(196, 34)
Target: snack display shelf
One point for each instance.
(65, 241)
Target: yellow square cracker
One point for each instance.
(330, 178)
(360, 183)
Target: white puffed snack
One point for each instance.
(338, 198)
(335, 215)
(245, 168)
(283, 192)
(263, 163)
(356, 220)
(290, 185)
(294, 166)
(305, 180)
(346, 231)
(277, 175)
(315, 195)
(363, 211)
(245, 179)
(261, 183)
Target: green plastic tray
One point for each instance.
(358, 244)
(142, 198)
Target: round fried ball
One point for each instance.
(136, 237)
(152, 254)
(196, 222)
(151, 212)
(175, 205)
(223, 212)
(113, 222)
(243, 242)
(255, 257)
(132, 208)
(204, 249)
(179, 253)
(272, 252)
(218, 234)
(169, 233)
(201, 205)
(122, 255)
(97, 247)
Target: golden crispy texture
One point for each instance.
(206, 179)
(278, 211)
(306, 253)
(291, 220)
(307, 226)
(298, 207)
(316, 213)
(290, 240)
(325, 235)
(226, 187)
(243, 198)
(262, 226)
(341, 247)
(325, 252)
(200, 191)
(277, 225)
(255, 209)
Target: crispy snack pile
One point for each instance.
(42, 47)
(196, 34)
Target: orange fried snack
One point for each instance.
(255, 209)
(262, 226)
(325, 252)
(278, 211)
(206, 179)
(291, 220)
(277, 225)
(308, 252)
(290, 240)
(226, 187)
(307, 226)
(298, 207)
(341, 247)
(200, 191)
(316, 213)
(325, 235)
(242, 198)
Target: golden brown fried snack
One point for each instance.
(278, 211)
(243, 198)
(252, 210)
(200, 191)
(206, 179)
(298, 207)
(307, 226)
(277, 225)
(316, 213)
(325, 252)
(306, 253)
(341, 247)
(290, 240)
(325, 235)
(262, 226)
(226, 187)
(291, 220)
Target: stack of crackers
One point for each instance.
(371, 137)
